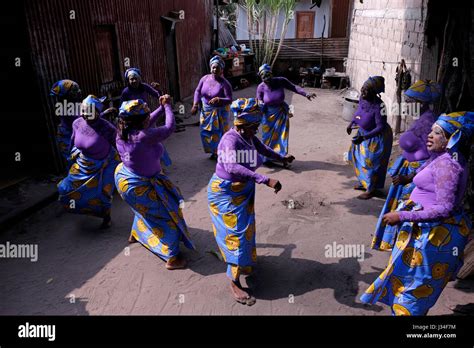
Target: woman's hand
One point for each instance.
(358, 139)
(391, 218)
(288, 159)
(110, 113)
(401, 180)
(214, 101)
(349, 130)
(194, 109)
(155, 85)
(311, 96)
(274, 184)
(165, 99)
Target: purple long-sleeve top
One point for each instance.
(142, 92)
(93, 139)
(440, 186)
(142, 152)
(239, 158)
(368, 116)
(273, 92)
(210, 87)
(413, 141)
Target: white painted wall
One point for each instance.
(387, 31)
(303, 5)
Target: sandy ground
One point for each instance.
(82, 270)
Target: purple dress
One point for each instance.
(274, 92)
(430, 243)
(440, 187)
(90, 181)
(230, 170)
(142, 92)
(276, 122)
(415, 153)
(214, 119)
(370, 158)
(209, 88)
(413, 141)
(93, 139)
(231, 198)
(142, 152)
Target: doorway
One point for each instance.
(304, 24)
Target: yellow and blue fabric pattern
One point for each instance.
(92, 100)
(246, 111)
(422, 262)
(214, 122)
(231, 205)
(63, 139)
(62, 88)
(276, 127)
(425, 91)
(370, 158)
(133, 107)
(384, 237)
(264, 68)
(159, 223)
(89, 186)
(459, 125)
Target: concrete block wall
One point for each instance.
(389, 31)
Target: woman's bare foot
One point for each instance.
(106, 222)
(176, 262)
(366, 195)
(240, 295)
(132, 239)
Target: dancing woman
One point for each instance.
(276, 112)
(89, 186)
(420, 96)
(136, 89)
(371, 147)
(156, 202)
(231, 193)
(433, 228)
(215, 94)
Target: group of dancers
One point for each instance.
(421, 223)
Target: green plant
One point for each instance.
(262, 18)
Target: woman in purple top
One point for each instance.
(156, 202)
(68, 95)
(371, 147)
(214, 93)
(276, 112)
(231, 193)
(88, 189)
(419, 97)
(136, 89)
(433, 226)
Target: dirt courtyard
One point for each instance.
(84, 271)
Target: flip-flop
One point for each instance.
(248, 300)
(359, 187)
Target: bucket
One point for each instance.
(349, 106)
